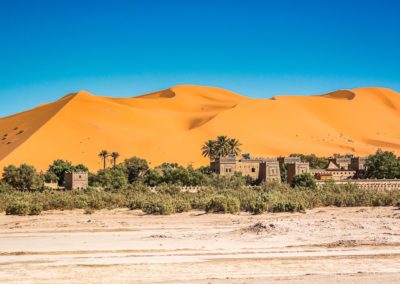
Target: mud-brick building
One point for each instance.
(76, 180)
(342, 163)
(288, 160)
(358, 163)
(297, 168)
(260, 169)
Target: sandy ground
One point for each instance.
(325, 245)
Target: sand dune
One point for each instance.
(171, 125)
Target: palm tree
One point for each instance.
(234, 146)
(114, 156)
(208, 149)
(222, 146)
(104, 154)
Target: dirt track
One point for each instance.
(325, 245)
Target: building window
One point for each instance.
(253, 170)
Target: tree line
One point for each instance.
(381, 165)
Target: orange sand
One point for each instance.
(171, 125)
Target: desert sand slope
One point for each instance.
(171, 125)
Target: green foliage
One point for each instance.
(58, 168)
(304, 180)
(223, 204)
(20, 208)
(5, 187)
(135, 168)
(103, 155)
(114, 156)
(168, 173)
(22, 178)
(50, 177)
(287, 206)
(383, 165)
(113, 178)
(266, 198)
(159, 206)
(182, 205)
(35, 209)
(221, 147)
(234, 181)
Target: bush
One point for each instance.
(287, 206)
(159, 207)
(304, 180)
(258, 206)
(20, 208)
(22, 178)
(182, 205)
(223, 204)
(35, 209)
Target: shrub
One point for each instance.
(159, 207)
(20, 208)
(258, 206)
(304, 180)
(22, 178)
(114, 178)
(182, 205)
(4, 187)
(223, 204)
(170, 189)
(136, 203)
(287, 206)
(35, 209)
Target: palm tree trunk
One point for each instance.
(104, 163)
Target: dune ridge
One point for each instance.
(172, 124)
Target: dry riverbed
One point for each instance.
(324, 245)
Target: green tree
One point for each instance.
(208, 149)
(58, 168)
(22, 178)
(103, 155)
(304, 180)
(114, 178)
(114, 156)
(80, 168)
(221, 147)
(135, 168)
(50, 177)
(234, 146)
(383, 164)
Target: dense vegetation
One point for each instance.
(228, 196)
(131, 184)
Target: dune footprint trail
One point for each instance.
(171, 125)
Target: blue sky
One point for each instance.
(256, 48)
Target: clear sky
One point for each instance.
(257, 48)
